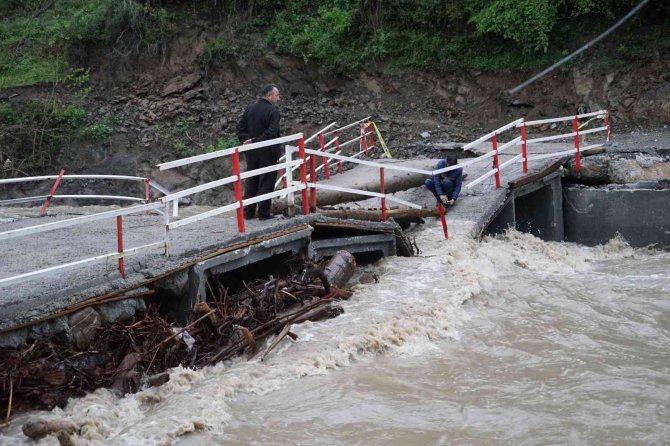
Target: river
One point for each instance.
(510, 340)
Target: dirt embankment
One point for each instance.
(176, 105)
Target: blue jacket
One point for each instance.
(455, 176)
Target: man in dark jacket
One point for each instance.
(260, 122)
(446, 186)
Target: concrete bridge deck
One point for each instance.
(42, 298)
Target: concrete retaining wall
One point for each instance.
(640, 215)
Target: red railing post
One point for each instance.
(147, 192)
(524, 148)
(338, 151)
(496, 163)
(575, 129)
(607, 124)
(237, 187)
(283, 178)
(364, 143)
(119, 242)
(443, 219)
(372, 135)
(303, 175)
(326, 169)
(382, 190)
(312, 178)
(44, 207)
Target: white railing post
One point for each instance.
(290, 198)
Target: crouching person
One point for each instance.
(446, 186)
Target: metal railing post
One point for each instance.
(312, 178)
(338, 151)
(44, 207)
(443, 219)
(364, 143)
(496, 162)
(372, 135)
(382, 190)
(147, 193)
(288, 181)
(303, 176)
(524, 148)
(575, 129)
(238, 190)
(326, 168)
(607, 124)
(166, 223)
(119, 242)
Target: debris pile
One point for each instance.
(133, 355)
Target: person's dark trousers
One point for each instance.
(260, 184)
(447, 187)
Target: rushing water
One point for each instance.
(507, 341)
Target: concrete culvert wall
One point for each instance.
(639, 214)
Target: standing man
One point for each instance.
(260, 122)
(446, 186)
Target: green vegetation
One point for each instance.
(226, 142)
(100, 130)
(434, 34)
(176, 137)
(39, 42)
(39, 39)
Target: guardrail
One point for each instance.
(365, 139)
(308, 189)
(148, 184)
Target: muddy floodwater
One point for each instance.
(511, 340)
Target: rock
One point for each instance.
(83, 327)
(628, 102)
(425, 135)
(583, 82)
(196, 93)
(179, 84)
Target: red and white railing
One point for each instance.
(307, 188)
(365, 140)
(58, 179)
(120, 254)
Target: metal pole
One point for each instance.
(312, 177)
(238, 191)
(338, 151)
(166, 222)
(119, 242)
(147, 196)
(382, 190)
(326, 169)
(524, 148)
(607, 124)
(303, 175)
(443, 219)
(364, 143)
(288, 181)
(44, 207)
(496, 163)
(575, 129)
(372, 135)
(283, 178)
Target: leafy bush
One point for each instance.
(100, 130)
